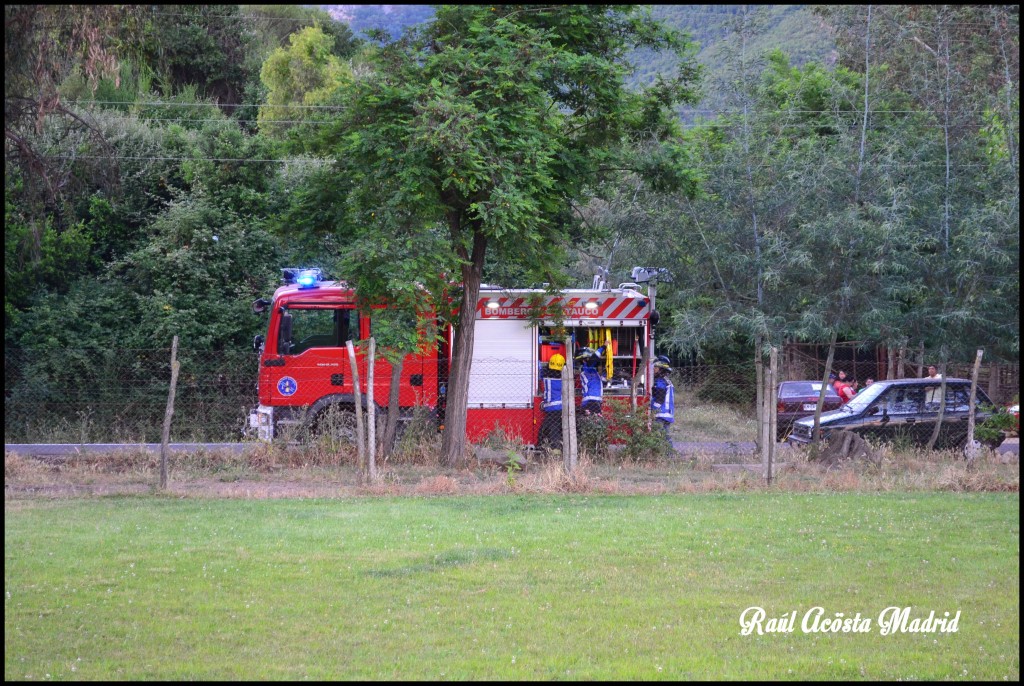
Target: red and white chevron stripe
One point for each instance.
(607, 307)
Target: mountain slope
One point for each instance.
(792, 28)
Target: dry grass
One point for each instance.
(700, 420)
(437, 485)
(274, 471)
(553, 478)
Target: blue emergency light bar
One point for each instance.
(304, 278)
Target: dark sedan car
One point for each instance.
(798, 399)
(902, 410)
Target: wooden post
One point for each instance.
(569, 448)
(169, 413)
(371, 409)
(937, 430)
(759, 394)
(970, 449)
(773, 410)
(360, 443)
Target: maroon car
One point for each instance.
(797, 399)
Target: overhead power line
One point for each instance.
(323, 161)
(341, 108)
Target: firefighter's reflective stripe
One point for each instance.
(663, 401)
(552, 395)
(590, 384)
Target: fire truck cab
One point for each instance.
(304, 369)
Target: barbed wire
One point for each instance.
(109, 395)
(896, 165)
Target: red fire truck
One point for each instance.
(304, 368)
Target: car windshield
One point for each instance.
(803, 389)
(860, 402)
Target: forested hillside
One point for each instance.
(163, 162)
(794, 29)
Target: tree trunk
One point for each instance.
(816, 433)
(993, 382)
(453, 442)
(387, 443)
(890, 367)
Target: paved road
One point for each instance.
(67, 449)
(1010, 446)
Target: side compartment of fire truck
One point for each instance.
(305, 373)
(510, 352)
(508, 359)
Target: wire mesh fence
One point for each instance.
(120, 396)
(107, 396)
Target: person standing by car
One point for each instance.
(551, 427)
(866, 384)
(663, 398)
(854, 386)
(837, 385)
(843, 388)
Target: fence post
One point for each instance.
(168, 414)
(360, 443)
(970, 449)
(759, 396)
(371, 411)
(568, 410)
(772, 408)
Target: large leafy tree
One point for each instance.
(304, 73)
(957, 67)
(487, 127)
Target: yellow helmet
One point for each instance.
(556, 362)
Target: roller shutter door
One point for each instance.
(504, 364)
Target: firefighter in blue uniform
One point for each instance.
(589, 421)
(591, 386)
(551, 427)
(663, 398)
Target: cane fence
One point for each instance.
(120, 395)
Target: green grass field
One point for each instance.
(506, 587)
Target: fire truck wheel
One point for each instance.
(337, 422)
